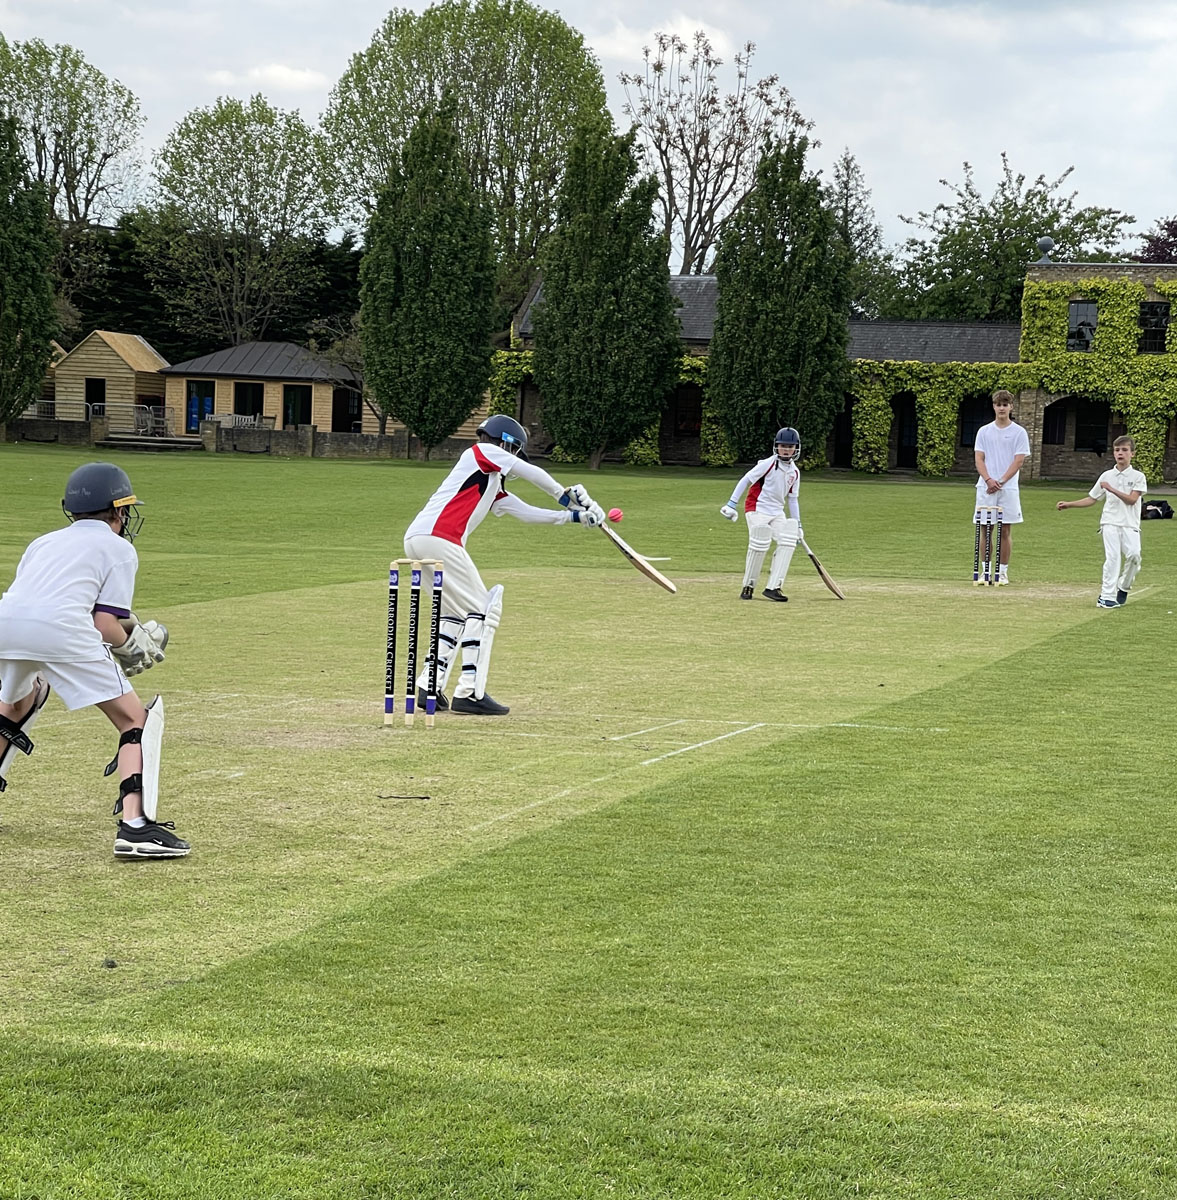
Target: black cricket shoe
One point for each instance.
(486, 707)
(442, 702)
(1121, 597)
(153, 840)
(776, 594)
(746, 593)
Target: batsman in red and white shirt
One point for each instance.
(770, 484)
(470, 612)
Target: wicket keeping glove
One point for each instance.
(143, 648)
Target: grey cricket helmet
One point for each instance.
(98, 486)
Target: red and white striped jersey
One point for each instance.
(769, 483)
(473, 487)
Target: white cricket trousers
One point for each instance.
(1119, 542)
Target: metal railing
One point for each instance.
(143, 419)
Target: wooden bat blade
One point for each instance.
(641, 563)
(823, 573)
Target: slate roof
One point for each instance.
(265, 360)
(696, 314)
(935, 341)
(899, 341)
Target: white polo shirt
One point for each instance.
(46, 615)
(1115, 511)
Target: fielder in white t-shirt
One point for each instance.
(66, 624)
(999, 452)
(1121, 490)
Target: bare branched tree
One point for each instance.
(703, 145)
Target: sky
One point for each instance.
(913, 88)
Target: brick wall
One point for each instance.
(1145, 273)
(64, 433)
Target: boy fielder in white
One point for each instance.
(470, 613)
(999, 451)
(769, 484)
(1121, 490)
(66, 623)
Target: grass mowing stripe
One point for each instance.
(807, 993)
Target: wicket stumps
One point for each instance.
(989, 517)
(416, 569)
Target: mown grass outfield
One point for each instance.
(873, 898)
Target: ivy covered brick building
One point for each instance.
(1095, 356)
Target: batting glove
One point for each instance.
(577, 497)
(729, 512)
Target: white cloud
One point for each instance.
(272, 75)
(912, 87)
(622, 45)
(288, 79)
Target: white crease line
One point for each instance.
(519, 811)
(568, 791)
(698, 745)
(653, 728)
(883, 728)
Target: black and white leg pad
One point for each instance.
(494, 614)
(449, 634)
(150, 738)
(14, 735)
(477, 640)
(471, 645)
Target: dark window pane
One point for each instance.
(296, 405)
(247, 399)
(1054, 424)
(1154, 323)
(1081, 328)
(974, 412)
(1091, 426)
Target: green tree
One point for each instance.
(871, 266)
(241, 213)
(520, 79)
(427, 287)
(28, 242)
(606, 338)
(703, 144)
(79, 131)
(78, 128)
(778, 355)
(970, 264)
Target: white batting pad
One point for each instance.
(152, 745)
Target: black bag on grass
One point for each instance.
(1156, 510)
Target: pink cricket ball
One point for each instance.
(615, 514)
